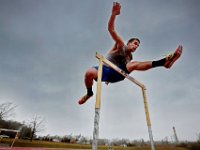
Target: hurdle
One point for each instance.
(102, 61)
(10, 130)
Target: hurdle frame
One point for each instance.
(102, 61)
(16, 135)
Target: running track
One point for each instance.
(31, 148)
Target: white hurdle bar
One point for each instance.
(98, 100)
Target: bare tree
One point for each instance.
(36, 125)
(6, 110)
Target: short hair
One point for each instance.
(132, 39)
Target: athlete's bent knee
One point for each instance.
(91, 73)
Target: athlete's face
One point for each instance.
(132, 46)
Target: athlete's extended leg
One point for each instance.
(90, 75)
(167, 62)
(141, 66)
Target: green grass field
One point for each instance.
(44, 144)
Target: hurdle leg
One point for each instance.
(16, 137)
(97, 107)
(148, 119)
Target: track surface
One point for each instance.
(31, 148)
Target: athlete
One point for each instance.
(121, 55)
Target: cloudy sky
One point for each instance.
(46, 46)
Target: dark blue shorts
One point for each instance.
(110, 75)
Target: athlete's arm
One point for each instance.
(111, 27)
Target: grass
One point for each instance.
(46, 144)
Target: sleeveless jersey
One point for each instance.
(121, 57)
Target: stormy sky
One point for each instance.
(47, 45)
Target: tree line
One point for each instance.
(28, 130)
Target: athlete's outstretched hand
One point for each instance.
(116, 8)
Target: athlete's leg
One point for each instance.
(166, 62)
(141, 66)
(90, 75)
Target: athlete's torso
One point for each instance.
(120, 57)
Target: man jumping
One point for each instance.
(121, 55)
